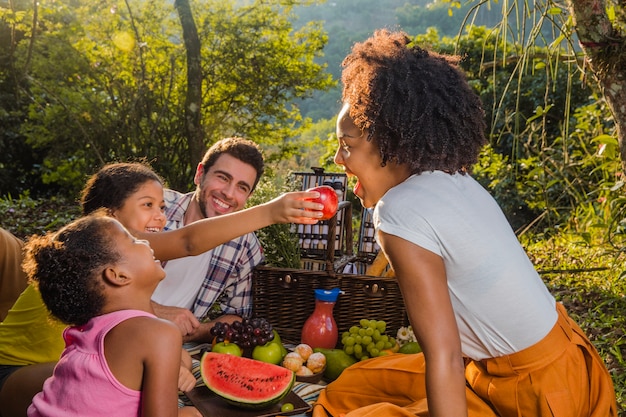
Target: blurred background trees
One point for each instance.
(85, 83)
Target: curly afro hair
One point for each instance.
(111, 186)
(67, 266)
(415, 104)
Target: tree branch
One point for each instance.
(605, 51)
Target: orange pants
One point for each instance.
(561, 376)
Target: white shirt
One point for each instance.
(501, 304)
(186, 277)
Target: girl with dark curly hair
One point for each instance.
(494, 341)
(119, 359)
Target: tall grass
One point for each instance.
(587, 277)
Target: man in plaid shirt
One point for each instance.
(216, 285)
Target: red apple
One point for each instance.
(328, 197)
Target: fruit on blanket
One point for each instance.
(410, 347)
(336, 361)
(316, 362)
(279, 342)
(276, 338)
(244, 382)
(286, 407)
(328, 197)
(269, 352)
(227, 348)
(303, 357)
(247, 333)
(396, 347)
(304, 371)
(367, 339)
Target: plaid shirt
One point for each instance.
(229, 276)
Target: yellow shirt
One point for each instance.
(29, 334)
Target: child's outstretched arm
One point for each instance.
(206, 234)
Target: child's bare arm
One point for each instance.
(182, 317)
(162, 366)
(206, 234)
(185, 359)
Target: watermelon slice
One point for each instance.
(244, 382)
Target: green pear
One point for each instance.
(277, 340)
(336, 361)
(410, 347)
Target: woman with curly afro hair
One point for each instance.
(494, 341)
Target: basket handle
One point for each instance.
(346, 229)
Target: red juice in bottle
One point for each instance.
(320, 329)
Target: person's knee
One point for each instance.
(20, 388)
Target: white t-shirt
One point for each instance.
(501, 304)
(221, 277)
(185, 274)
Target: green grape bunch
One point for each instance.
(368, 340)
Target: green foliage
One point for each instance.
(364, 17)
(16, 158)
(316, 147)
(494, 172)
(416, 19)
(106, 82)
(586, 275)
(255, 65)
(280, 245)
(25, 216)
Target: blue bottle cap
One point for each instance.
(328, 295)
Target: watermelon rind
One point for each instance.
(245, 383)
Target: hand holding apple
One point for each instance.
(328, 197)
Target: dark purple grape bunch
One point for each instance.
(246, 333)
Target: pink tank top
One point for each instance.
(82, 383)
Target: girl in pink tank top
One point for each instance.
(120, 360)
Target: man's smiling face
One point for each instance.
(225, 187)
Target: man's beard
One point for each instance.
(201, 204)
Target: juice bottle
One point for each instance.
(320, 329)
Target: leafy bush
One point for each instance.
(280, 245)
(25, 216)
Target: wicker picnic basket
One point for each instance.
(285, 296)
